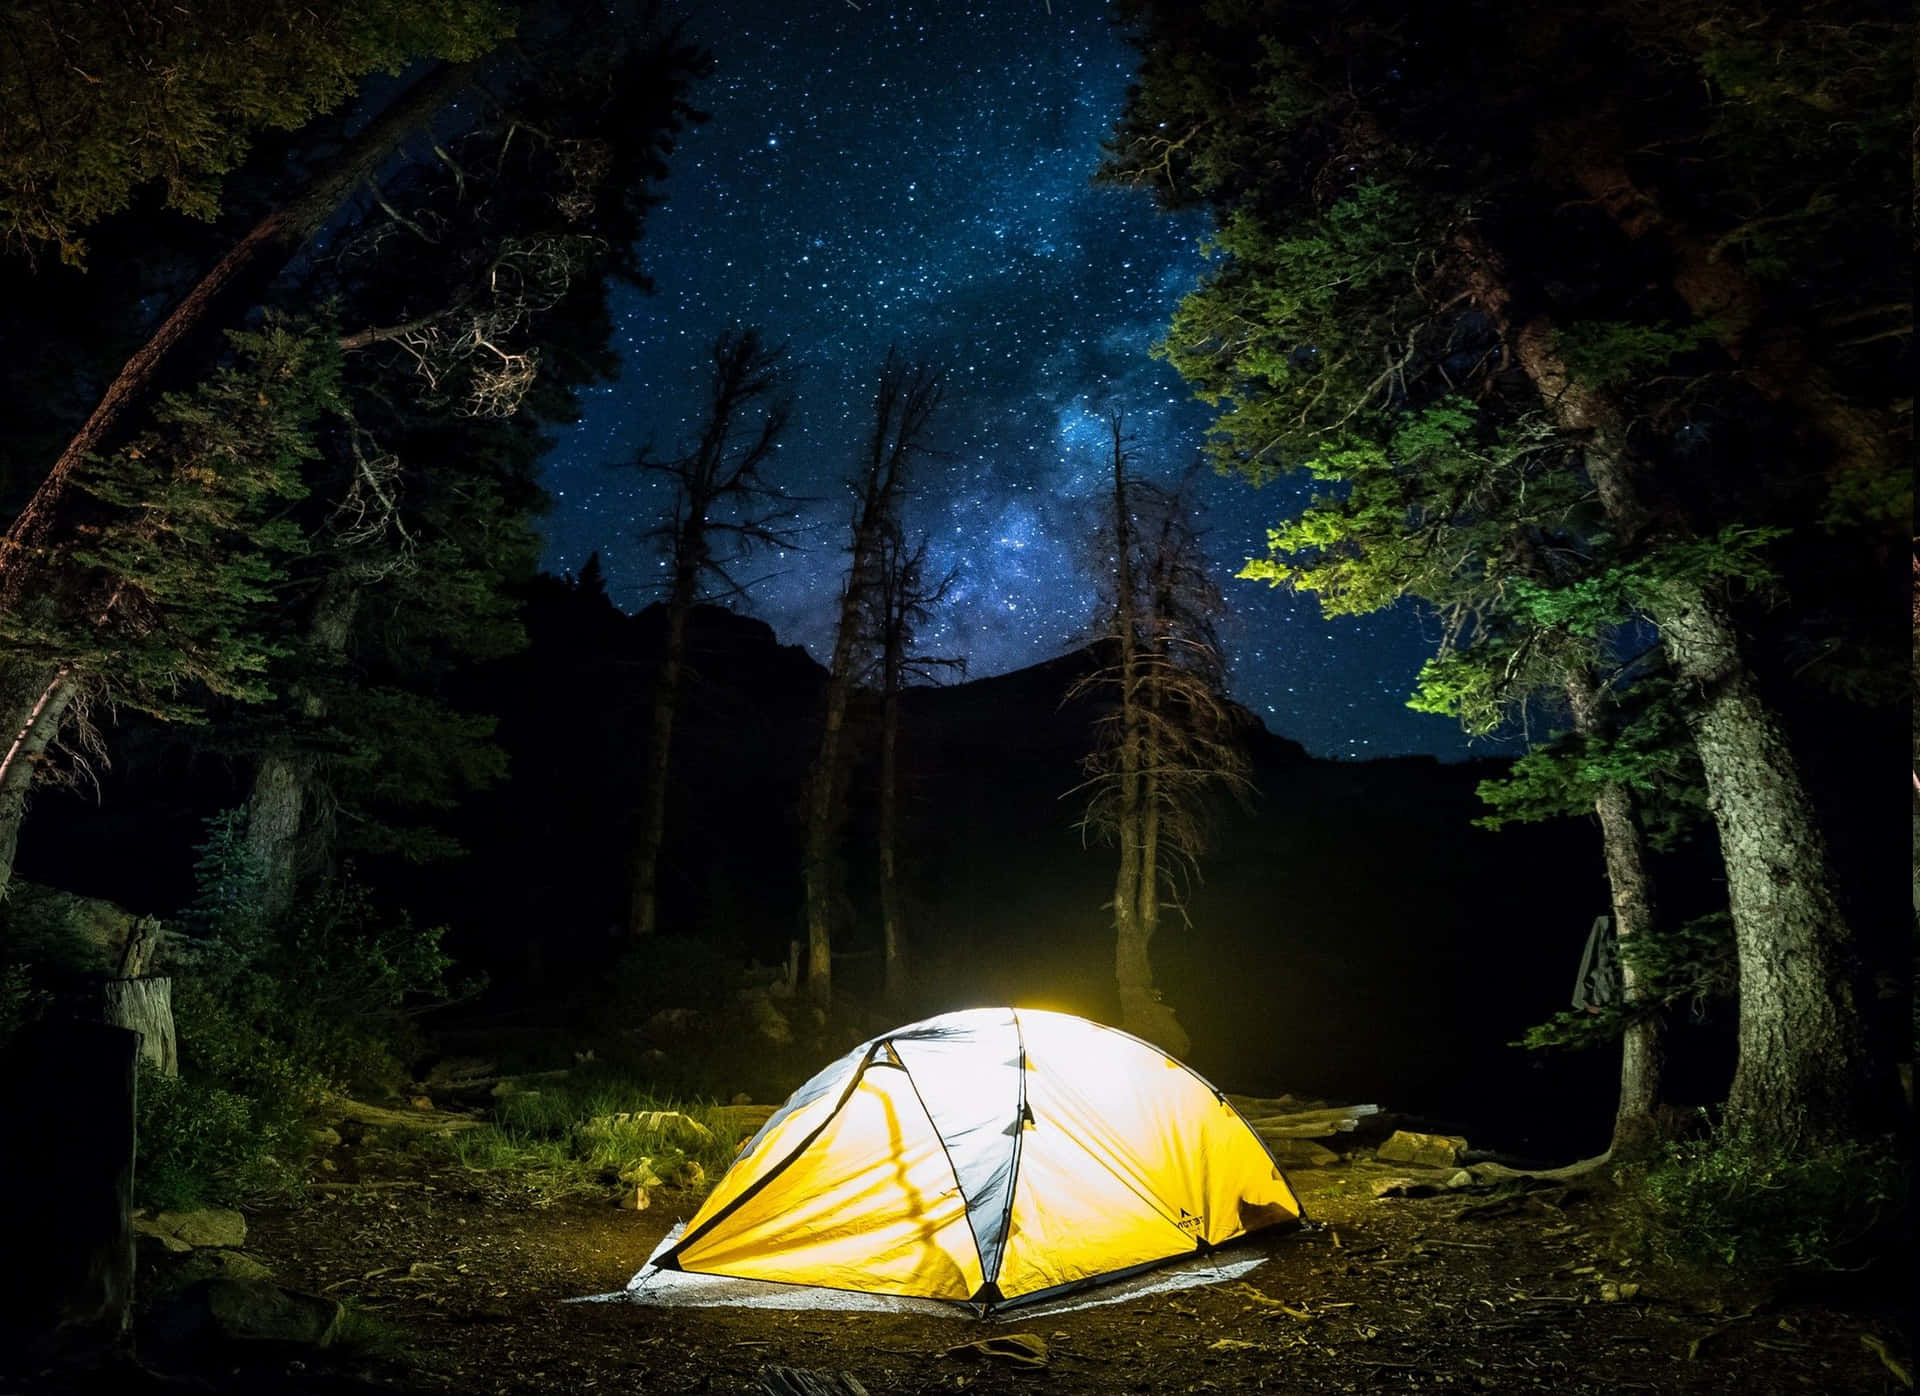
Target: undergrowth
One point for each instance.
(1733, 1199)
(598, 1128)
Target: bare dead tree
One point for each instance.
(905, 599)
(719, 496)
(1167, 739)
(903, 405)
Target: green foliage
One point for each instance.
(1672, 964)
(271, 1018)
(1650, 755)
(166, 588)
(201, 1142)
(1614, 353)
(97, 101)
(569, 1136)
(1734, 1199)
(1734, 556)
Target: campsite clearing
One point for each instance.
(1508, 1291)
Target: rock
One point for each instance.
(147, 1231)
(1461, 1179)
(248, 1311)
(210, 1226)
(232, 1265)
(640, 1175)
(635, 1200)
(742, 1099)
(769, 1023)
(1422, 1150)
(422, 1102)
(1300, 1153)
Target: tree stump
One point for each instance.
(66, 1186)
(145, 1006)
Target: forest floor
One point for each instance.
(461, 1279)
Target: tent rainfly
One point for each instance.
(987, 1157)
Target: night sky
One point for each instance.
(920, 174)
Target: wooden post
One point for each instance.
(66, 1186)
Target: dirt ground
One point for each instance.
(1514, 1291)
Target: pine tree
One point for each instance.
(1383, 244)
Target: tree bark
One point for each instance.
(39, 703)
(266, 247)
(892, 921)
(145, 1006)
(1636, 1130)
(281, 828)
(823, 796)
(643, 904)
(1804, 1074)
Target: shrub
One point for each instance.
(200, 1142)
(1739, 1200)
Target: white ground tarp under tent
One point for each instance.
(685, 1289)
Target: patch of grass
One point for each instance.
(366, 1336)
(1737, 1200)
(596, 1128)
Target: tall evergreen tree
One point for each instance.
(1387, 237)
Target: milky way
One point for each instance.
(920, 175)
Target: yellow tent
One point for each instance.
(987, 1156)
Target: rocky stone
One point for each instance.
(769, 1023)
(742, 1099)
(422, 1102)
(1301, 1153)
(247, 1311)
(232, 1265)
(148, 1234)
(210, 1226)
(635, 1200)
(1422, 1150)
(640, 1174)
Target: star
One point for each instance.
(921, 177)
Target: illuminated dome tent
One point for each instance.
(987, 1157)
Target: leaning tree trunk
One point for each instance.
(37, 705)
(643, 901)
(264, 249)
(1804, 1073)
(1636, 1129)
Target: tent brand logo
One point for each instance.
(1189, 1223)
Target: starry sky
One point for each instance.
(919, 174)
